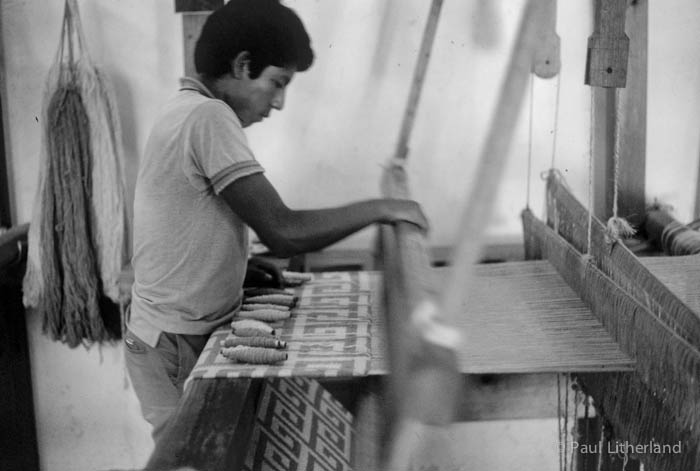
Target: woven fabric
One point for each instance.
(299, 426)
(524, 319)
(328, 333)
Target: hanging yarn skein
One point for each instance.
(77, 235)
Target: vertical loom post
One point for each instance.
(604, 72)
(194, 14)
(696, 210)
(6, 185)
(631, 182)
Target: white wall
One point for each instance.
(673, 119)
(340, 124)
(86, 416)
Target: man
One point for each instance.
(199, 188)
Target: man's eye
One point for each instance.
(278, 84)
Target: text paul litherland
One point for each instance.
(620, 447)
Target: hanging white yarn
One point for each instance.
(108, 188)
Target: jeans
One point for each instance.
(158, 374)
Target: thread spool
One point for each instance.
(254, 355)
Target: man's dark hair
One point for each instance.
(272, 33)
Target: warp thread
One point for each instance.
(620, 264)
(641, 417)
(666, 364)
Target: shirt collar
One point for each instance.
(189, 83)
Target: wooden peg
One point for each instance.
(546, 62)
(194, 15)
(608, 46)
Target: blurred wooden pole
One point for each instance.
(426, 46)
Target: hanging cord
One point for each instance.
(591, 143)
(555, 131)
(617, 227)
(566, 420)
(601, 442)
(529, 146)
(586, 416)
(575, 432)
(559, 425)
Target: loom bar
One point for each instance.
(668, 364)
(426, 46)
(624, 400)
(569, 218)
(670, 235)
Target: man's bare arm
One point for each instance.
(288, 232)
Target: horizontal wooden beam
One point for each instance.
(362, 259)
(182, 6)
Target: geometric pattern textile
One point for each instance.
(521, 318)
(299, 426)
(328, 333)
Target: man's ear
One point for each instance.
(240, 65)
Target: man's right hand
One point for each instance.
(397, 210)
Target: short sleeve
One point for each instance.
(216, 148)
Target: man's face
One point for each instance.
(259, 96)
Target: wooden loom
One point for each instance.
(660, 400)
(667, 383)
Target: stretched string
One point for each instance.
(529, 146)
(591, 143)
(601, 442)
(616, 226)
(566, 420)
(575, 433)
(555, 131)
(625, 460)
(616, 151)
(559, 425)
(586, 415)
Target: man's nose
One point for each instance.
(278, 99)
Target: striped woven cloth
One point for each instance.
(524, 319)
(328, 333)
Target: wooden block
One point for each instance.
(547, 56)
(608, 46)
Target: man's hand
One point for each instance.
(404, 211)
(261, 273)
